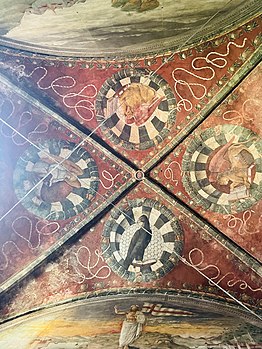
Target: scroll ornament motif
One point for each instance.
(65, 87)
(196, 259)
(212, 61)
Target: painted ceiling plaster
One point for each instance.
(98, 27)
(91, 146)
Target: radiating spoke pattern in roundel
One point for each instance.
(223, 169)
(139, 108)
(142, 242)
(64, 190)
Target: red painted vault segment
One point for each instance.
(75, 221)
(217, 170)
(189, 257)
(53, 182)
(174, 91)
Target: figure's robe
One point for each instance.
(138, 245)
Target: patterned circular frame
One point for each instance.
(76, 201)
(195, 166)
(155, 129)
(168, 243)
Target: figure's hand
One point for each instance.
(116, 310)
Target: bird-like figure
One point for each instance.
(139, 242)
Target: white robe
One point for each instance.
(131, 330)
(129, 333)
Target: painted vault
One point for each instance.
(131, 181)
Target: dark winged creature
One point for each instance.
(139, 242)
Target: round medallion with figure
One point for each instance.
(223, 169)
(142, 241)
(135, 108)
(56, 180)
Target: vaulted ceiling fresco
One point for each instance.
(95, 27)
(131, 185)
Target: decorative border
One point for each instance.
(200, 300)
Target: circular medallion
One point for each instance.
(54, 181)
(142, 241)
(136, 108)
(223, 169)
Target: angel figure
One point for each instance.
(132, 325)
